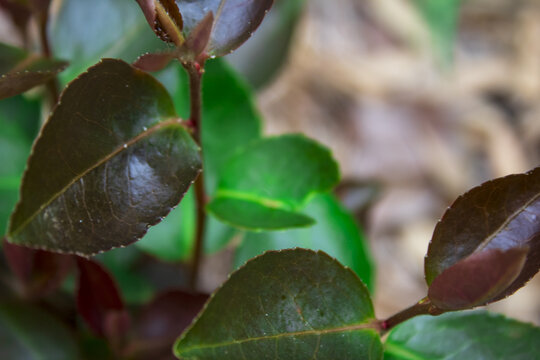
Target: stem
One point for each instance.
(52, 85)
(195, 73)
(423, 307)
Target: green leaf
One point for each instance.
(20, 71)
(441, 17)
(29, 333)
(230, 119)
(335, 233)
(266, 183)
(111, 160)
(172, 239)
(234, 21)
(465, 335)
(84, 31)
(291, 304)
(501, 214)
(14, 149)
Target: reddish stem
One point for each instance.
(423, 307)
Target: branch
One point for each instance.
(195, 72)
(423, 307)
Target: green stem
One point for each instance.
(195, 74)
(423, 307)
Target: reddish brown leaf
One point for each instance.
(200, 35)
(162, 320)
(502, 214)
(153, 62)
(477, 279)
(39, 272)
(98, 299)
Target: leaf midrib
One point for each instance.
(372, 325)
(511, 218)
(118, 150)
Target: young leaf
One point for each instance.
(477, 279)
(20, 71)
(153, 62)
(27, 332)
(502, 214)
(291, 304)
(111, 160)
(164, 18)
(265, 184)
(234, 21)
(335, 233)
(466, 335)
(98, 299)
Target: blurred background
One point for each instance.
(419, 100)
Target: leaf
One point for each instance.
(234, 21)
(335, 233)
(499, 214)
(441, 17)
(20, 71)
(172, 239)
(464, 335)
(168, 22)
(266, 183)
(98, 298)
(15, 147)
(252, 59)
(39, 272)
(291, 304)
(490, 273)
(198, 38)
(153, 62)
(162, 320)
(27, 332)
(83, 32)
(111, 160)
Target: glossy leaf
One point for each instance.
(126, 162)
(83, 32)
(335, 233)
(98, 299)
(234, 20)
(168, 22)
(292, 304)
(502, 214)
(477, 279)
(466, 335)
(27, 332)
(20, 71)
(266, 183)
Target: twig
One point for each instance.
(423, 307)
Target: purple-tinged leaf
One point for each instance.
(162, 320)
(112, 160)
(234, 21)
(98, 299)
(20, 71)
(477, 279)
(164, 18)
(198, 38)
(39, 272)
(153, 62)
(502, 214)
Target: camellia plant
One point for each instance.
(114, 158)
